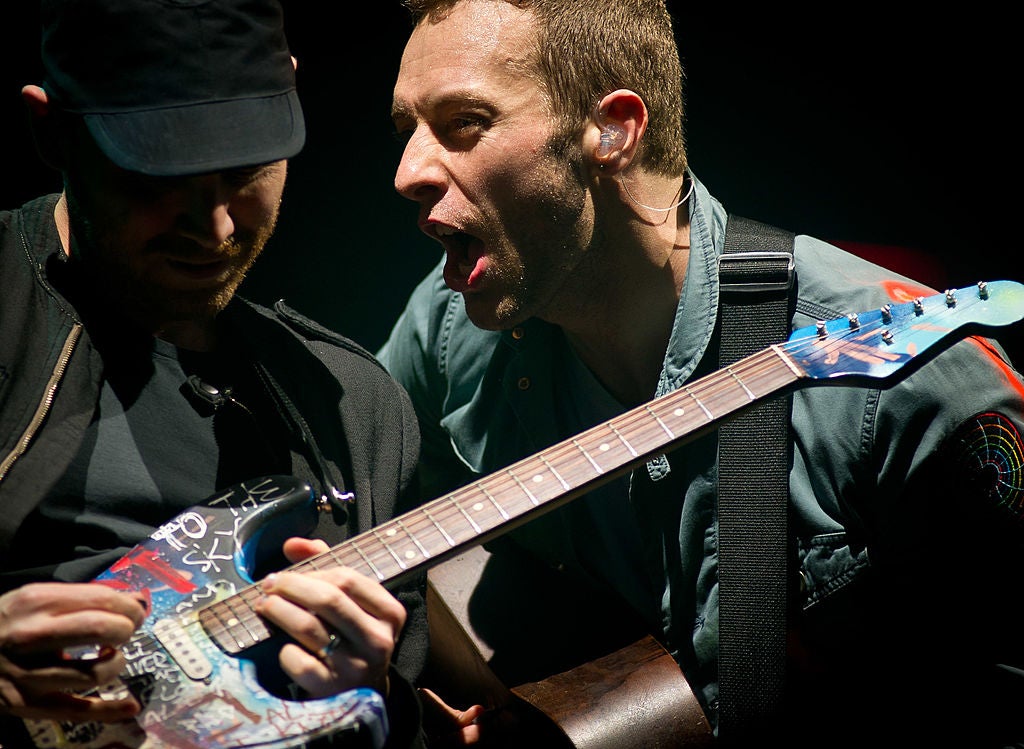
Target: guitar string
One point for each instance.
(450, 507)
(447, 507)
(500, 483)
(425, 519)
(438, 514)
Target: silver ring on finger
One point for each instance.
(332, 644)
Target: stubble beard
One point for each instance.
(540, 263)
(136, 298)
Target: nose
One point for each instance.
(421, 175)
(205, 216)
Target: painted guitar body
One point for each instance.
(189, 669)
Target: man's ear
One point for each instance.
(45, 130)
(613, 136)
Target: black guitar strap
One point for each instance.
(756, 275)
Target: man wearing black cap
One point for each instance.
(134, 384)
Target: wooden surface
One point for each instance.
(630, 694)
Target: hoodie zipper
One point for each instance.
(43, 409)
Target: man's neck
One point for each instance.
(623, 333)
(188, 335)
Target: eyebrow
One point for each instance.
(400, 111)
(463, 96)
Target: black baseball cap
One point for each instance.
(175, 87)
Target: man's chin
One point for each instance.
(161, 308)
(487, 315)
(201, 306)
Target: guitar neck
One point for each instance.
(542, 482)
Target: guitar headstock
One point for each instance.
(878, 343)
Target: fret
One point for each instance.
(697, 400)
(661, 423)
(411, 547)
(338, 559)
(739, 381)
(248, 619)
(587, 456)
(213, 626)
(777, 371)
(249, 596)
(390, 530)
(312, 563)
(796, 371)
(623, 440)
(497, 506)
(412, 537)
(669, 415)
(605, 449)
(387, 546)
(524, 487)
(237, 629)
(723, 397)
(468, 517)
(644, 435)
(448, 539)
(369, 563)
(226, 628)
(555, 473)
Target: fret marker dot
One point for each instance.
(410, 554)
(477, 506)
(232, 622)
(678, 412)
(391, 531)
(537, 478)
(605, 447)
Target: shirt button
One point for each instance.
(524, 383)
(517, 333)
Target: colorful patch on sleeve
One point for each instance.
(989, 453)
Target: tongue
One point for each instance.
(463, 271)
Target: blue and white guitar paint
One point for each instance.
(199, 690)
(187, 662)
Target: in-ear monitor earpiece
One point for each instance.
(612, 136)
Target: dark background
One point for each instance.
(849, 123)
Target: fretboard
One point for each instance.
(537, 484)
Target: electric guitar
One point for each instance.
(188, 663)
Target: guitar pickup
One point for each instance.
(173, 635)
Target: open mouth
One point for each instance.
(466, 258)
(455, 242)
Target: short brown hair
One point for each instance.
(587, 49)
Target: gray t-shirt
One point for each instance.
(155, 447)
